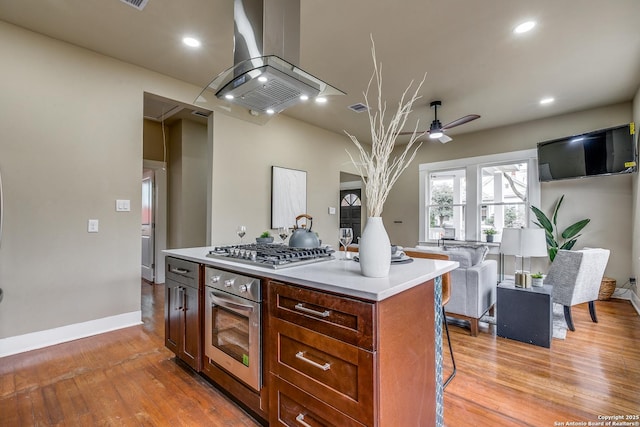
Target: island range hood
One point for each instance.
(264, 78)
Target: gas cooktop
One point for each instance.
(271, 255)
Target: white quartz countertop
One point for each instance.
(339, 276)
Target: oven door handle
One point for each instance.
(232, 305)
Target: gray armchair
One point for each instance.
(473, 284)
(576, 277)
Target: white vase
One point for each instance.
(374, 249)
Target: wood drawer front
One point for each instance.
(342, 318)
(339, 373)
(291, 406)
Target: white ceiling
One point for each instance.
(585, 53)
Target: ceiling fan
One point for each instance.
(436, 130)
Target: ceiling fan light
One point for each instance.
(435, 130)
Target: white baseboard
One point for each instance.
(628, 294)
(635, 301)
(40, 339)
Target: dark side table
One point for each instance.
(525, 314)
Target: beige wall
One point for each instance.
(635, 252)
(71, 146)
(243, 156)
(72, 138)
(606, 200)
(152, 147)
(193, 215)
(72, 127)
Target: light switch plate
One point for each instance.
(123, 205)
(332, 211)
(92, 226)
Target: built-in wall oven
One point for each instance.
(233, 324)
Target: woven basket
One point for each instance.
(607, 287)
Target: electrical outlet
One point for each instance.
(632, 280)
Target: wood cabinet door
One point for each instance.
(191, 348)
(342, 318)
(339, 374)
(172, 316)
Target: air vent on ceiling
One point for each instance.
(358, 108)
(138, 4)
(200, 114)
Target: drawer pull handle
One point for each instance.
(300, 420)
(179, 270)
(325, 367)
(304, 309)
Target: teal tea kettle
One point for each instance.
(303, 237)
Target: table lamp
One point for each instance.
(524, 243)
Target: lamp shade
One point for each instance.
(524, 242)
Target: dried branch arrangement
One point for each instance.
(377, 170)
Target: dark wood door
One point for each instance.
(351, 211)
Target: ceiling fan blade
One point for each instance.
(419, 133)
(461, 121)
(444, 139)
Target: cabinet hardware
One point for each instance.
(325, 367)
(300, 420)
(231, 305)
(304, 309)
(179, 297)
(179, 270)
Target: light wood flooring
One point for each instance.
(127, 377)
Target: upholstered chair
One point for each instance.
(576, 277)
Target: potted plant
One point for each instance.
(537, 279)
(490, 232)
(555, 239)
(265, 237)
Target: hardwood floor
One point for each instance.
(127, 377)
(594, 371)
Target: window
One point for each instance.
(447, 200)
(504, 196)
(463, 197)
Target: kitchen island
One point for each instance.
(337, 348)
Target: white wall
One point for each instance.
(607, 201)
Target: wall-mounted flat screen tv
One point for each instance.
(602, 152)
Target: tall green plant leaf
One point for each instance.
(555, 211)
(569, 235)
(574, 229)
(568, 245)
(542, 219)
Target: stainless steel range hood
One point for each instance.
(264, 78)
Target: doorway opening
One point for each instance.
(174, 181)
(351, 203)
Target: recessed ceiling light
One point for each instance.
(191, 42)
(304, 97)
(321, 100)
(270, 111)
(545, 101)
(262, 79)
(228, 96)
(524, 27)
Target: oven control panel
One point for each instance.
(233, 283)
